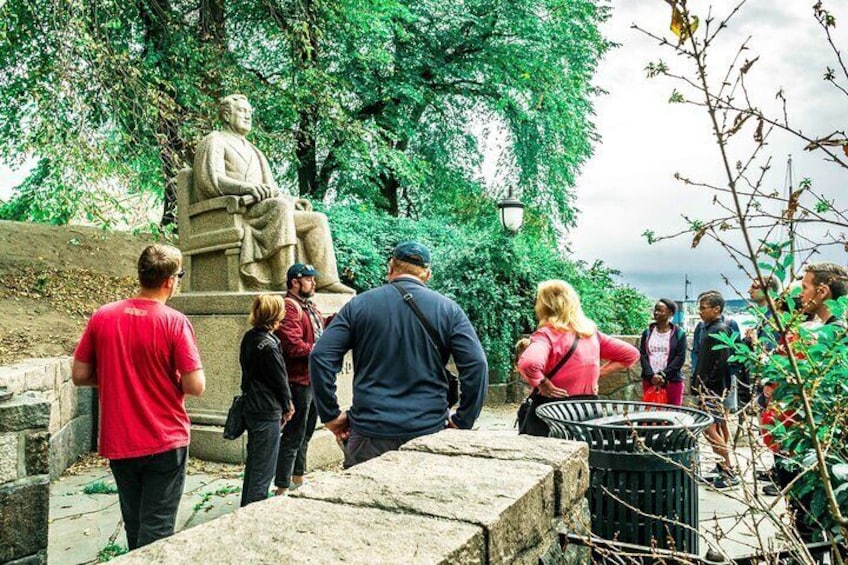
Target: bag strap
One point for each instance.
(431, 333)
(564, 359)
(297, 306)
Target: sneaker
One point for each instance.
(294, 486)
(771, 490)
(765, 475)
(724, 481)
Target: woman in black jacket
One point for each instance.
(267, 398)
(662, 352)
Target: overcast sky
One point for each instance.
(628, 186)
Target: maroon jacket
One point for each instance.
(297, 338)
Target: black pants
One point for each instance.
(533, 425)
(294, 441)
(263, 444)
(800, 507)
(149, 490)
(360, 449)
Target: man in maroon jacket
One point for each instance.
(298, 332)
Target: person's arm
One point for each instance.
(715, 360)
(272, 371)
(290, 333)
(675, 365)
(325, 362)
(644, 360)
(84, 368)
(531, 363)
(187, 356)
(83, 374)
(473, 371)
(619, 353)
(194, 382)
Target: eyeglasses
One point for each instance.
(179, 275)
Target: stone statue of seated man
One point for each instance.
(226, 163)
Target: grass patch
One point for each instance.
(100, 487)
(110, 551)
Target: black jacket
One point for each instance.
(712, 372)
(676, 354)
(264, 383)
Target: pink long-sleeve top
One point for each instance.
(579, 375)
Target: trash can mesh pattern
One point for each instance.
(642, 458)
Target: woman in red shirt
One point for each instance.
(561, 322)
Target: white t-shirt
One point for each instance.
(659, 345)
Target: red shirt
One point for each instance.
(580, 373)
(139, 349)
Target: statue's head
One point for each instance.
(236, 113)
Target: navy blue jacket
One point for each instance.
(398, 388)
(676, 354)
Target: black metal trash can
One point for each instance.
(642, 460)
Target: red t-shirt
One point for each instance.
(139, 349)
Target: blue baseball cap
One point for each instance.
(299, 270)
(412, 252)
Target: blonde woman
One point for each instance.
(267, 397)
(565, 332)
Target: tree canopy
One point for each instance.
(381, 101)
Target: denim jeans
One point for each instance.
(149, 491)
(294, 441)
(263, 443)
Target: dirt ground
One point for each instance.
(52, 278)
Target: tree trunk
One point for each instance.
(389, 188)
(305, 55)
(389, 183)
(213, 27)
(155, 15)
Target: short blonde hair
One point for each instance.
(558, 305)
(267, 310)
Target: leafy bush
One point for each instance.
(100, 487)
(491, 274)
(810, 398)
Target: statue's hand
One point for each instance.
(255, 191)
(303, 204)
(274, 192)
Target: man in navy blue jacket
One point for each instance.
(399, 388)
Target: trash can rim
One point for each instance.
(702, 418)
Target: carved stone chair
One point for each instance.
(211, 233)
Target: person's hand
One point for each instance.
(303, 204)
(751, 335)
(549, 389)
(287, 415)
(340, 427)
(657, 380)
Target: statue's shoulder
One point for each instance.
(215, 136)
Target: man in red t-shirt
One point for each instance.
(143, 357)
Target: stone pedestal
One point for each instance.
(220, 320)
